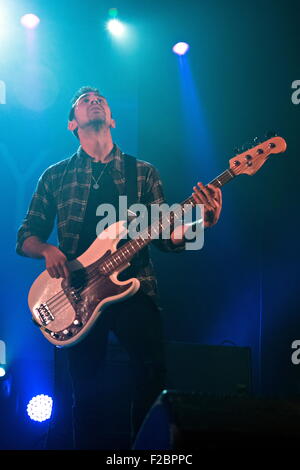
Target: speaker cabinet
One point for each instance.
(194, 421)
(208, 369)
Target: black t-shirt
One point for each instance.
(106, 193)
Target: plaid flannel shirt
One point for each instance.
(62, 194)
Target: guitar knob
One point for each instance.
(260, 151)
(77, 323)
(54, 335)
(67, 332)
(237, 163)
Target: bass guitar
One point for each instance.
(66, 311)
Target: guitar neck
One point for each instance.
(218, 182)
(223, 178)
(124, 254)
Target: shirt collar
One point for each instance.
(116, 166)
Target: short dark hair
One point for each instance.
(81, 91)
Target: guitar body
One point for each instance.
(66, 312)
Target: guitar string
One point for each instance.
(65, 301)
(94, 272)
(93, 275)
(61, 299)
(57, 299)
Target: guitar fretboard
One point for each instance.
(165, 223)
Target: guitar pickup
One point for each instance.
(76, 297)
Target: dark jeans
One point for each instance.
(137, 324)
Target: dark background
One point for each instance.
(242, 287)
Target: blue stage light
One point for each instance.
(180, 48)
(40, 408)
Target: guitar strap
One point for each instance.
(131, 180)
(140, 259)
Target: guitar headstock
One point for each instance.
(252, 160)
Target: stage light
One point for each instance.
(30, 21)
(40, 408)
(2, 371)
(115, 27)
(181, 48)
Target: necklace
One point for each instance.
(96, 185)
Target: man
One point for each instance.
(71, 190)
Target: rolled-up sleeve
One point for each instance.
(154, 195)
(40, 217)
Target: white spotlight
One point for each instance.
(116, 28)
(40, 408)
(30, 21)
(180, 48)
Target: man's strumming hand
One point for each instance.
(55, 261)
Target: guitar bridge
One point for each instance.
(45, 314)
